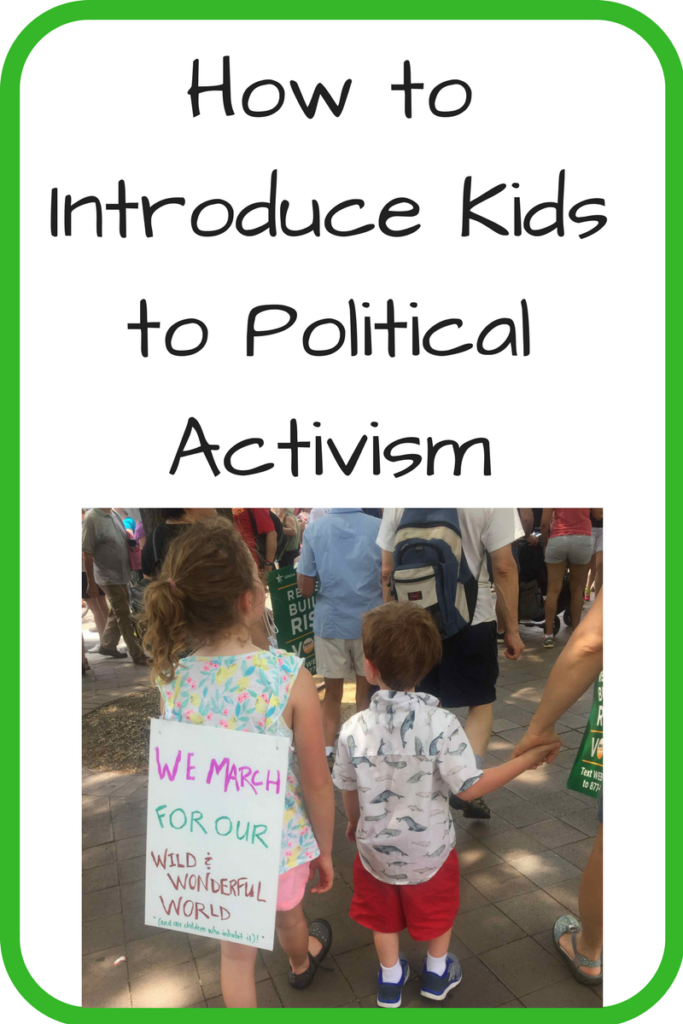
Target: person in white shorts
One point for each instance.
(340, 550)
(339, 659)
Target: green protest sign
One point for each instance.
(293, 615)
(586, 773)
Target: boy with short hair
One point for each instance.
(397, 762)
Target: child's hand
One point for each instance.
(534, 737)
(325, 870)
(351, 832)
(536, 756)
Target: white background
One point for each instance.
(578, 422)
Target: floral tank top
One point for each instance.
(247, 692)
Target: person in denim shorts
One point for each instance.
(567, 542)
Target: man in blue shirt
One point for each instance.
(341, 551)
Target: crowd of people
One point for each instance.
(411, 604)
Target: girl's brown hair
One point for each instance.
(195, 597)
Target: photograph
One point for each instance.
(342, 757)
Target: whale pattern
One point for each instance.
(412, 824)
(423, 757)
(384, 796)
(408, 723)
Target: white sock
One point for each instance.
(392, 975)
(328, 751)
(436, 964)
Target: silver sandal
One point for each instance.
(568, 924)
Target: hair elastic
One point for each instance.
(171, 582)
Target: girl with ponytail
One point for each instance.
(205, 599)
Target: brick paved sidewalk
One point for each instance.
(109, 679)
(520, 871)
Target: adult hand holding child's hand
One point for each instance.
(535, 737)
(539, 754)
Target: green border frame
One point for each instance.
(481, 10)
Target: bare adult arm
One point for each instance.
(271, 545)
(506, 579)
(573, 673)
(288, 522)
(526, 517)
(545, 525)
(387, 569)
(306, 585)
(314, 773)
(596, 513)
(89, 566)
(289, 525)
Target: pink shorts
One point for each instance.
(292, 886)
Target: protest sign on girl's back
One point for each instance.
(214, 829)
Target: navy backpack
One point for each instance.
(431, 570)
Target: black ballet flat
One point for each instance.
(322, 931)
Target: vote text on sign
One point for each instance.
(293, 615)
(587, 770)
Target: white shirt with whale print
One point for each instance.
(404, 756)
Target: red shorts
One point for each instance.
(427, 910)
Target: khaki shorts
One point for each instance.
(339, 659)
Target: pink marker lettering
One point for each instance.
(273, 782)
(165, 771)
(245, 772)
(232, 777)
(217, 768)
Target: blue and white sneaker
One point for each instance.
(437, 986)
(389, 996)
